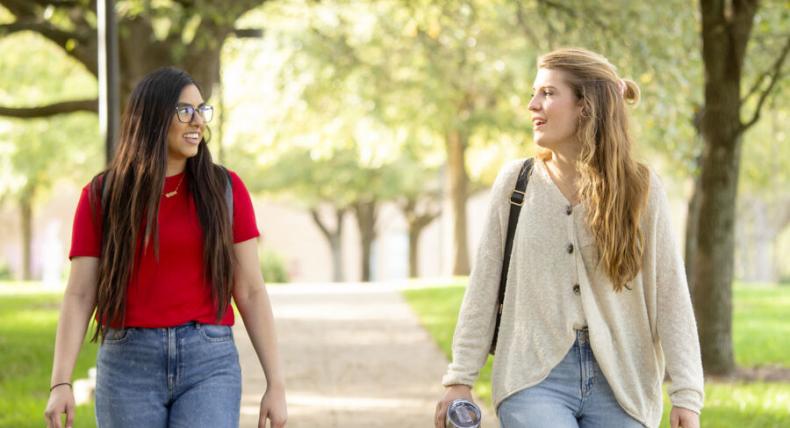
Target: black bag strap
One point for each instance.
(229, 194)
(516, 202)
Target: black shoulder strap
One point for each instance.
(229, 194)
(516, 202)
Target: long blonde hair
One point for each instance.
(612, 185)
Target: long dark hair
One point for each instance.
(128, 194)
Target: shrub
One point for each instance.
(273, 267)
(5, 272)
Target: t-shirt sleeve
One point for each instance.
(244, 225)
(85, 233)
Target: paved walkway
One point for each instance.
(354, 356)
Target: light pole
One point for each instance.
(109, 98)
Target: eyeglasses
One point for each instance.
(186, 112)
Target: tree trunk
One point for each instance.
(26, 218)
(336, 245)
(334, 238)
(366, 213)
(417, 224)
(458, 182)
(725, 32)
(414, 243)
(417, 220)
(713, 261)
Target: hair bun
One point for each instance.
(631, 92)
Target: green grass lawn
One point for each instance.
(761, 328)
(28, 320)
(761, 325)
(27, 340)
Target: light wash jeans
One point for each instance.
(574, 395)
(185, 376)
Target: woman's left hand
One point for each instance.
(683, 418)
(273, 408)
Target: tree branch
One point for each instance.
(248, 33)
(775, 74)
(28, 18)
(756, 86)
(44, 3)
(422, 220)
(317, 219)
(42, 27)
(325, 230)
(574, 13)
(19, 7)
(525, 27)
(33, 8)
(91, 105)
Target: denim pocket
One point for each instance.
(215, 333)
(117, 336)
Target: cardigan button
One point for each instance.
(568, 210)
(576, 289)
(570, 248)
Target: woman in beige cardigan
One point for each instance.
(596, 305)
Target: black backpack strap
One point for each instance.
(104, 189)
(516, 202)
(229, 194)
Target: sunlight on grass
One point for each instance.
(760, 318)
(747, 405)
(27, 327)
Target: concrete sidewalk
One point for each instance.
(354, 355)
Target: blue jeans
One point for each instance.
(185, 376)
(574, 395)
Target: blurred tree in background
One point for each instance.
(151, 34)
(460, 72)
(730, 109)
(344, 106)
(36, 153)
(184, 34)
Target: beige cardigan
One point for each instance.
(631, 332)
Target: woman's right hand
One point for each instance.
(61, 400)
(453, 392)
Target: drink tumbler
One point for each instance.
(463, 414)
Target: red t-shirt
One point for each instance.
(172, 291)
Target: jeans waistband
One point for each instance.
(190, 324)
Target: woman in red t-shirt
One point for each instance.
(162, 240)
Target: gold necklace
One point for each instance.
(175, 192)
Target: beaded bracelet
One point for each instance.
(59, 384)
